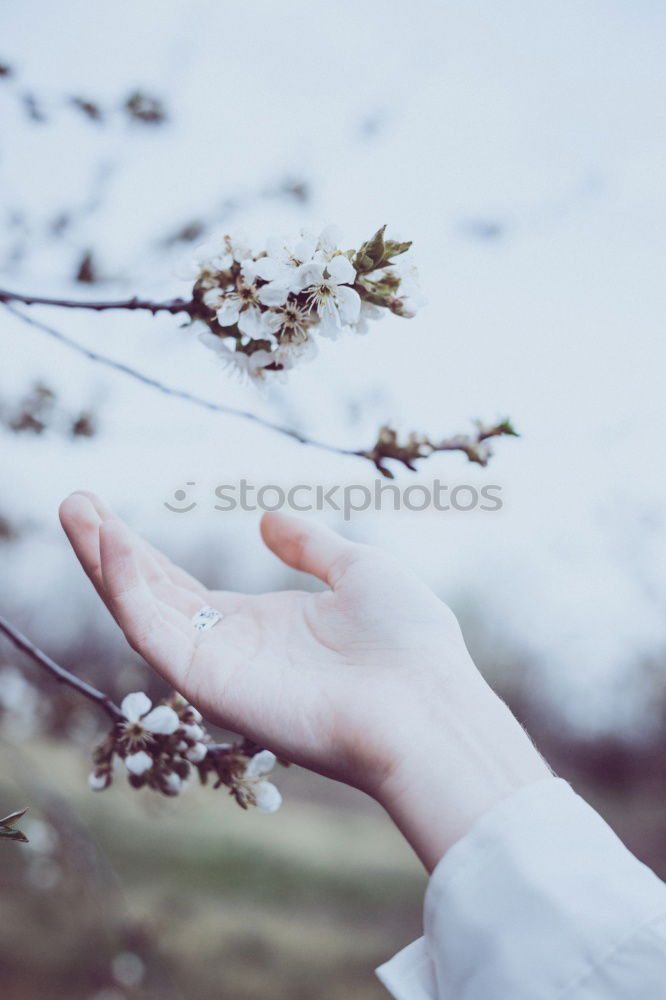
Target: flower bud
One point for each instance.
(99, 780)
(197, 752)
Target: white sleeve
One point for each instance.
(539, 901)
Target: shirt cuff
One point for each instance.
(539, 896)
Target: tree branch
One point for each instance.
(173, 306)
(386, 446)
(61, 675)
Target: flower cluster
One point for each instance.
(264, 310)
(162, 747)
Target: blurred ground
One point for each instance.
(193, 898)
(215, 901)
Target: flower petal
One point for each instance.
(257, 361)
(133, 706)
(228, 312)
(250, 322)
(269, 268)
(197, 752)
(214, 298)
(273, 294)
(240, 248)
(349, 304)
(262, 763)
(249, 271)
(173, 783)
(267, 797)
(222, 261)
(193, 732)
(98, 782)
(138, 763)
(162, 721)
(341, 270)
(329, 238)
(308, 274)
(272, 321)
(214, 342)
(329, 321)
(305, 247)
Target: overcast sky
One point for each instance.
(520, 145)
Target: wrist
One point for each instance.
(470, 753)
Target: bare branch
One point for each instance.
(173, 306)
(386, 446)
(61, 675)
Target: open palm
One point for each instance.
(323, 679)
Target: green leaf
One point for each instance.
(13, 818)
(506, 427)
(6, 834)
(374, 248)
(371, 253)
(394, 249)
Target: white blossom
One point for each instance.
(281, 267)
(294, 349)
(250, 365)
(136, 708)
(292, 320)
(241, 308)
(255, 787)
(294, 291)
(337, 304)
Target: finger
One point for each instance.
(81, 524)
(101, 506)
(309, 547)
(161, 634)
(82, 515)
(177, 575)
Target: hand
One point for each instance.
(363, 682)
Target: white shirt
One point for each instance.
(539, 901)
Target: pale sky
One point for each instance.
(540, 123)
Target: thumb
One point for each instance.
(308, 546)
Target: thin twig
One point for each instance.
(376, 454)
(61, 675)
(168, 390)
(173, 306)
